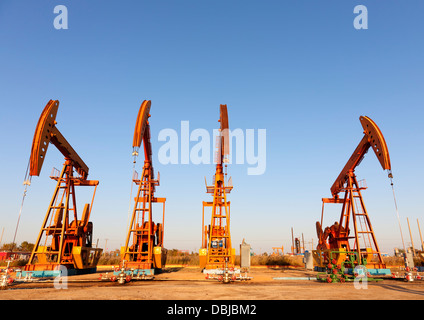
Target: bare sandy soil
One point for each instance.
(184, 284)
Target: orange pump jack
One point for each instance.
(336, 240)
(64, 241)
(143, 254)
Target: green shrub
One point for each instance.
(15, 263)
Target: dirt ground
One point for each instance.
(185, 283)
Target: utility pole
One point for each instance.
(412, 241)
(1, 238)
(421, 237)
(292, 241)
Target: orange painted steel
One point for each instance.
(277, 251)
(216, 248)
(144, 247)
(337, 237)
(64, 240)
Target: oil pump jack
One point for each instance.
(64, 240)
(335, 243)
(216, 251)
(143, 253)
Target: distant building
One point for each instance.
(14, 255)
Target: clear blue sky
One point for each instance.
(298, 69)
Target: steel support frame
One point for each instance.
(67, 236)
(349, 213)
(138, 258)
(220, 221)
